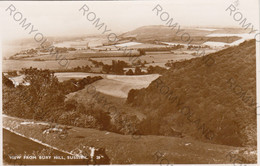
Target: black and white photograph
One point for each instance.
(130, 82)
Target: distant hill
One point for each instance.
(221, 98)
(158, 32)
(153, 33)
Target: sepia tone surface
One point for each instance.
(94, 83)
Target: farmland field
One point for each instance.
(152, 58)
(119, 86)
(160, 58)
(157, 58)
(9, 65)
(114, 85)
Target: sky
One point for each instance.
(56, 18)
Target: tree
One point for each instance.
(7, 82)
(138, 71)
(43, 92)
(130, 72)
(106, 68)
(142, 52)
(150, 70)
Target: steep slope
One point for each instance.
(213, 103)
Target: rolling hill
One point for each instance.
(166, 33)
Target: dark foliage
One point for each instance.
(129, 72)
(73, 85)
(7, 82)
(44, 99)
(194, 96)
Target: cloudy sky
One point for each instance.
(65, 19)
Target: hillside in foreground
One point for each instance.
(126, 149)
(213, 103)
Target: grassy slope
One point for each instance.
(123, 149)
(205, 90)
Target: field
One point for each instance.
(113, 85)
(152, 58)
(10, 65)
(83, 54)
(157, 58)
(119, 86)
(75, 75)
(242, 36)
